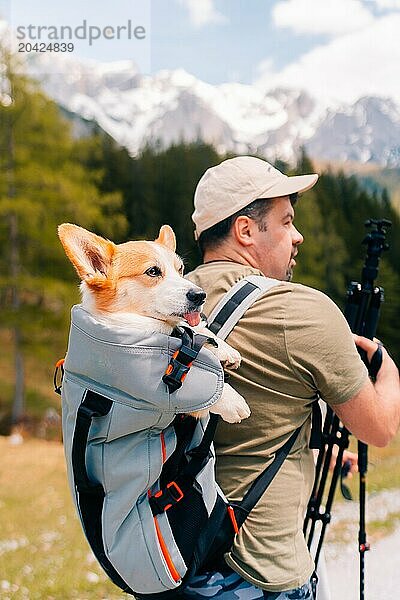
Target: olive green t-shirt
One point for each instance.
(295, 346)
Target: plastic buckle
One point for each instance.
(85, 413)
(175, 486)
(175, 373)
(186, 355)
(165, 499)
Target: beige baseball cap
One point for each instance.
(235, 183)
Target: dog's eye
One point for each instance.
(181, 269)
(153, 272)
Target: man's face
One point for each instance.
(276, 247)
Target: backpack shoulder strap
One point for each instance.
(89, 495)
(221, 321)
(236, 301)
(262, 482)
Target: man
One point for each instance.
(295, 346)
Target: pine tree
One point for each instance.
(42, 185)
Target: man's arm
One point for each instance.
(373, 414)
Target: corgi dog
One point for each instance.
(140, 284)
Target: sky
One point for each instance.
(339, 49)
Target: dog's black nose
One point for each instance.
(196, 296)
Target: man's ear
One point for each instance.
(166, 237)
(242, 230)
(90, 254)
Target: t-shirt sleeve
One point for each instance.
(320, 346)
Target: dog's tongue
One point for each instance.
(193, 318)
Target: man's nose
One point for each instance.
(297, 237)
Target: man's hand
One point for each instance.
(348, 457)
(373, 414)
(370, 346)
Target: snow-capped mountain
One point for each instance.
(171, 106)
(367, 131)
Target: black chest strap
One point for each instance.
(183, 358)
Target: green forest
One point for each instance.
(48, 176)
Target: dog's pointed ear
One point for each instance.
(166, 237)
(90, 254)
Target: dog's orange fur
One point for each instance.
(115, 262)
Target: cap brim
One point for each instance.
(290, 185)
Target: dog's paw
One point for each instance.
(229, 357)
(231, 406)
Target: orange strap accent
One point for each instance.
(174, 573)
(163, 448)
(232, 517)
(60, 362)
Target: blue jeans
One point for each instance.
(228, 585)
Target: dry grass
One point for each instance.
(43, 554)
(383, 467)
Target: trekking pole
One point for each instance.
(362, 313)
(333, 434)
(337, 435)
(364, 321)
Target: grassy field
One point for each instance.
(43, 555)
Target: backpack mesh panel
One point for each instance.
(188, 516)
(184, 427)
(186, 519)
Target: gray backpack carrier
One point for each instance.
(141, 471)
